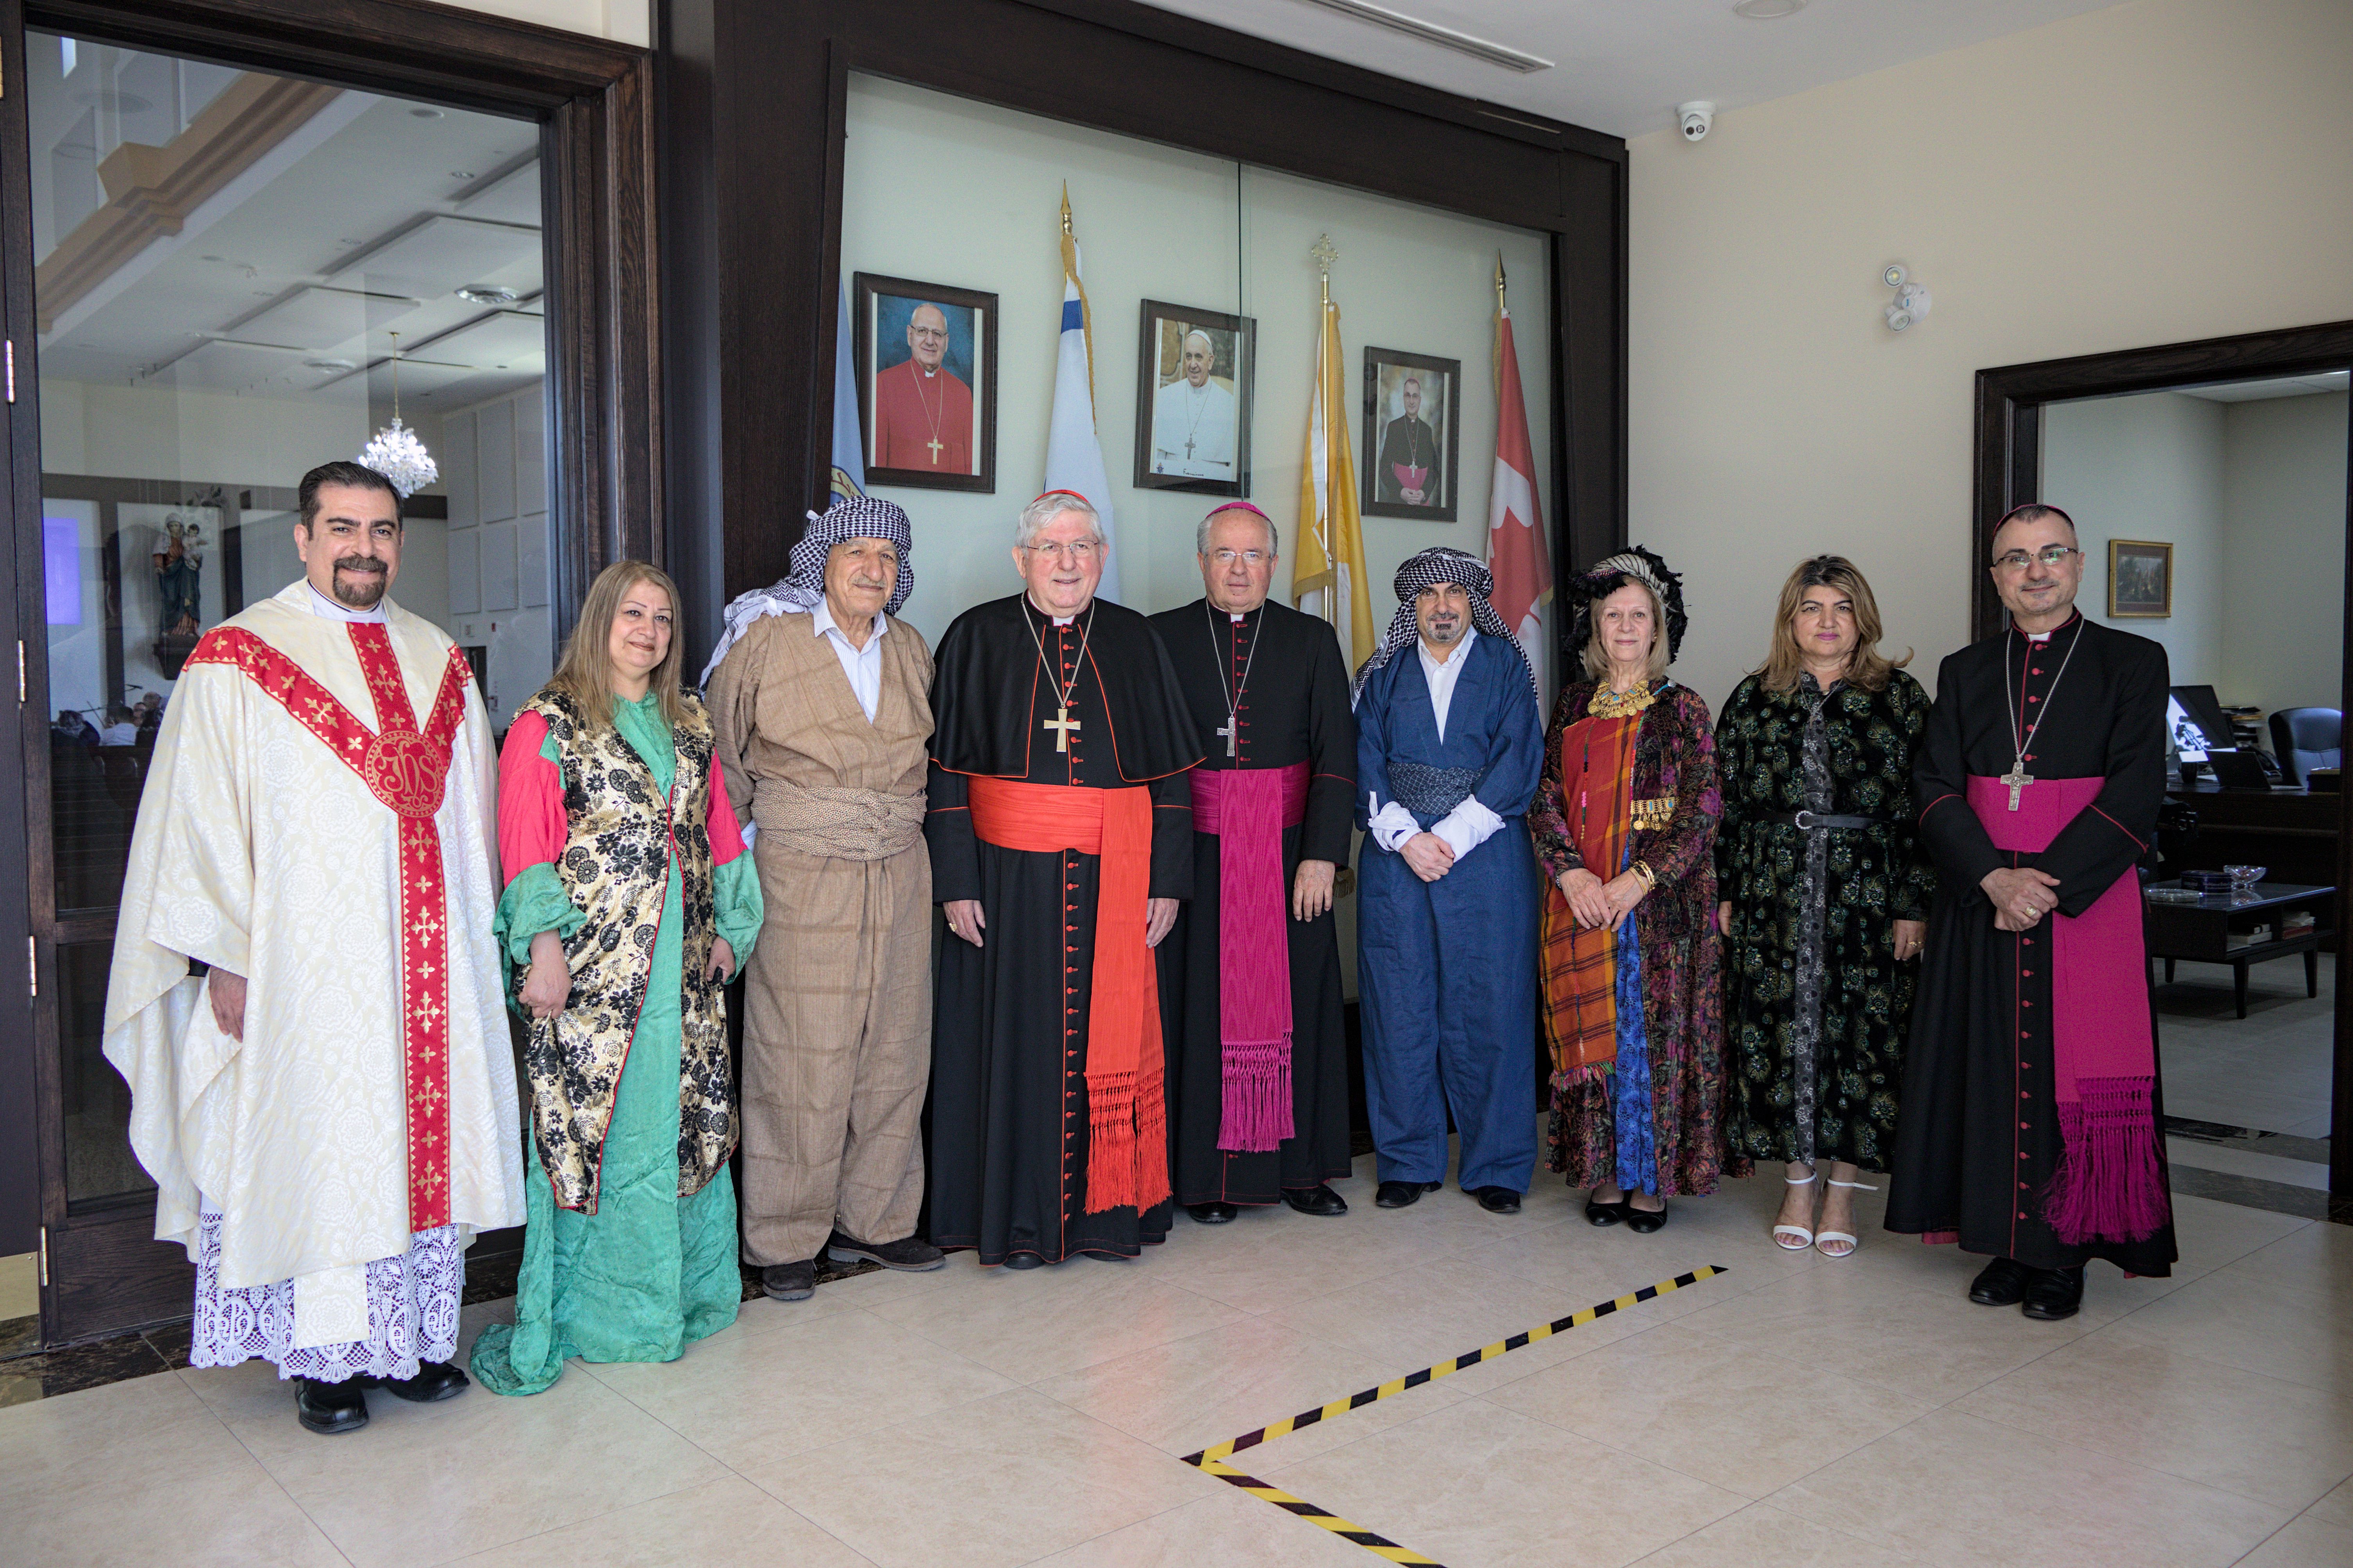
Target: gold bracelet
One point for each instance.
(1649, 879)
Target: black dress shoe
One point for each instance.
(435, 1380)
(2002, 1283)
(2057, 1293)
(1403, 1194)
(909, 1254)
(789, 1281)
(1598, 1213)
(1318, 1200)
(1643, 1222)
(1212, 1214)
(1498, 1200)
(1024, 1261)
(330, 1409)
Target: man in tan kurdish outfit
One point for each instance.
(820, 702)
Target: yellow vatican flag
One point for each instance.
(1329, 580)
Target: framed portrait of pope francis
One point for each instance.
(1194, 373)
(925, 357)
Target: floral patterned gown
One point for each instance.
(1815, 1006)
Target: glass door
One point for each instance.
(223, 263)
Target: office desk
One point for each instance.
(2291, 833)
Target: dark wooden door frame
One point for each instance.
(2009, 405)
(594, 103)
(756, 98)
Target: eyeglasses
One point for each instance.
(1248, 557)
(1077, 549)
(2051, 556)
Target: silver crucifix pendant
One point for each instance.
(2018, 778)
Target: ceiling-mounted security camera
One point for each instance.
(1695, 117)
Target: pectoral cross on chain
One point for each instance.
(935, 445)
(1226, 733)
(2018, 778)
(1188, 446)
(1064, 723)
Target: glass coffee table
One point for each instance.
(2199, 930)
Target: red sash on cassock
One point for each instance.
(407, 770)
(2110, 1184)
(1249, 809)
(1128, 1142)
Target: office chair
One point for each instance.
(2303, 739)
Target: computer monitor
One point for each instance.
(2194, 724)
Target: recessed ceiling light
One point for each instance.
(469, 173)
(1432, 33)
(1767, 10)
(422, 112)
(486, 294)
(329, 365)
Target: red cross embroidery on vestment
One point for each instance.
(408, 770)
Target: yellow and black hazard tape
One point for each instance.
(1273, 1429)
(1379, 1545)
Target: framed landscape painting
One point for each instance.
(2140, 579)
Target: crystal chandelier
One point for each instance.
(396, 452)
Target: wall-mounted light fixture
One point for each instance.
(1911, 303)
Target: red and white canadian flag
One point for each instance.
(1515, 533)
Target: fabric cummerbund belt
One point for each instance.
(1810, 819)
(1209, 793)
(1431, 792)
(838, 823)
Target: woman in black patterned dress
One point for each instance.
(1825, 889)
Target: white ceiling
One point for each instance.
(1622, 66)
(2256, 390)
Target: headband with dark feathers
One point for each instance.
(1606, 577)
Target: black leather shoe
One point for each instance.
(1403, 1194)
(1212, 1214)
(1318, 1200)
(1498, 1200)
(2001, 1283)
(2057, 1293)
(910, 1255)
(435, 1380)
(1643, 1222)
(1024, 1261)
(330, 1409)
(1598, 1213)
(789, 1281)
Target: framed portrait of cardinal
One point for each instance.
(1411, 435)
(925, 355)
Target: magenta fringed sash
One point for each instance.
(1248, 810)
(2110, 1185)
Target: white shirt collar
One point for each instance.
(821, 622)
(322, 605)
(1453, 661)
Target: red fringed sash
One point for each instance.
(2110, 1184)
(1579, 966)
(407, 770)
(1249, 809)
(1127, 1144)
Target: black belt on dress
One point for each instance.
(1812, 819)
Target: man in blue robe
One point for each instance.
(1449, 748)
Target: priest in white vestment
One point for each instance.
(1193, 419)
(330, 1112)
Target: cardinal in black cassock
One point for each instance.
(2031, 1125)
(1061, 825)
(1260, 1101)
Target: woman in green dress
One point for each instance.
(630, 903)
(1824, 886)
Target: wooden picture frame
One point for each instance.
(1197, 441)
(899, 426)
(1429, 436)
(2140, 579)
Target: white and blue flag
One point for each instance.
(848, 445)
(1073, 452)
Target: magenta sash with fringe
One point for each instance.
(1248, 810)
(2110, 1184)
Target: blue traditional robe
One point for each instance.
(1446, 970)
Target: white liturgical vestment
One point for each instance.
(289, 833)
(1193, 430)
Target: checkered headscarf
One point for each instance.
(854, 517)
(1441, 563)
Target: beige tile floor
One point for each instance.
(1796, 1411)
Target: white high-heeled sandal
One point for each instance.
(1805, 1238)
(1851, 1241)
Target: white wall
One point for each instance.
(191, 437)
(1156, 222)
(2284, 527)
(2145, 175)
(494, 562)
(2149, 468)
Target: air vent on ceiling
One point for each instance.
(1494, 53)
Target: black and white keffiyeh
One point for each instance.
(1441, 563)
(803, 588)
(1606, 577)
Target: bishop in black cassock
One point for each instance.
(2032, 1120)
(1046, 718)
(1268, 690)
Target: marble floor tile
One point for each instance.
(1231, 1527)
(2336, 1508)
(1476, 1486)
(1953, 1489)
(140, 1472)
(2143, 1401)
(720, 1521)
(2243, 1321)
(2306, 1543)
(2246, 1163)
(1273, 1260)
(424, 1483)
(2316, 1258)
(1761, 1536)
(1012, 1478)
(1741, 1419)
(1036, 1323)
(746, 1399)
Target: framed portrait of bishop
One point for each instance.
(926, 364)
(1412, 437)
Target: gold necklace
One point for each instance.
(1609, 704)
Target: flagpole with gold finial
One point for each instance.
(1326, 253)
(1070, 266)
(1495, 343)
